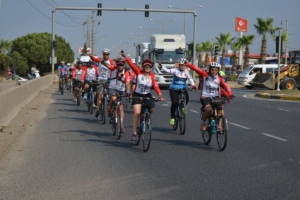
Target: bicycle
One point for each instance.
(144, 128)
(104, 103)
(71, 85)
(180, 113)
(79, 90)
(63, 84)
(213, 124)
(116, 119)
(90, 97)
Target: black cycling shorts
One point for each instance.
(149, 102)
(89, 83)
(207, 101)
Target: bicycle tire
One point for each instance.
(221, 135)
(138, 132)
(182, 118)
(206, 135)
(146, 134)
(176, 120)
(78, 97)
(91, 102)
(62, 87)
(71, 85)
(113, 124)
(103, 110)
(118, 123)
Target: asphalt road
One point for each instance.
(70, 155)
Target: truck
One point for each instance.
(166, 49)
(140, 52)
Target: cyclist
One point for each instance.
(145, 79)
(77, 76)
(89, 75)
(62, 72)
(119, 81)
(212, 86)
(104, 73)
(180, 76)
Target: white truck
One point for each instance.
(165, 49)
(140, 51)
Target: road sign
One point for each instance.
(88, 50)
(54, 60)
(241, 25)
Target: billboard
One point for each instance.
(241, 25)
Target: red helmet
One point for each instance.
(120, 60)
(147, 61)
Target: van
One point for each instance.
(85, 60)
(249, 73)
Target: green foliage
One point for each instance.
(232, 77)
(20, 62)
(5, 46)
(4, 64)
(36, 49)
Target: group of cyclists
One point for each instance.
(137, 81)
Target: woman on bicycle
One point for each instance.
(145, 79)
(180, 76)
(212, 86)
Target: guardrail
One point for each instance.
(13, 99)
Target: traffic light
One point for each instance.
(99, 12)
(146, 12)
(277, 44)
(216, 50)
(54, 44)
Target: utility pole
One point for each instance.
(93, 32)
(88, 43)
(286, 43)
(91, 41)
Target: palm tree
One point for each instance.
(206, 47)
(284, 39)
(199, 50)
(245, 41)
(263, 27)
(5, 46)
(235, 47)
(222, 41)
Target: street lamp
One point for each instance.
(140, 36)
(162, 23)
(184, 14)
(149, 29)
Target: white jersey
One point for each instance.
(179, 78)
(78, 74)
(90, 74)
(143, 84)
(210, 86)
(118, 80)
(104, 72)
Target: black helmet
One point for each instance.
(79, 62)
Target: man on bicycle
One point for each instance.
(212, 86)
(104, 74)
(90, 75)
(180, 76)
(145, 79)
(119, 81)
(62, 72)
(78, 79)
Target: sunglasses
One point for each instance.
(106, 54)
(120, 65)
(147, 66)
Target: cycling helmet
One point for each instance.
(181, 61)
(68, 64)
(106, 51)
(79, 62)
(147, 61)
(120, 61)
(215, 65)
(91, 61)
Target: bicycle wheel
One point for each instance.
(103, 110)
(71, 85)
(182, 118)
(138, 132)
(206, 135)
(146, 133)
(62, 87)
(176, 121)
(91, 102)
(118, 123)
(78, 97)
(221, 132)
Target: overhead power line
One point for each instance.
(49, 17)
(72, 18)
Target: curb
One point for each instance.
(268, 96)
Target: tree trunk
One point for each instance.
(263, 50)
(223, 58)
(247, 56)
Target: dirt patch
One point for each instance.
(285, 93)
(5, 84)
(26, 120)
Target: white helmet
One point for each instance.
(106, 51)
(181, 61)
(68, 64)
(215, 65)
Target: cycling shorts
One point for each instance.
(101, 85)
(76, 83)
(207, 101)
(89, 83)
(61, 76)
(149, 102)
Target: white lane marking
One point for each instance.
(194, 111)
(283, 110)
(240, 126)
(275, 137)
(168, 102)
(164, 104)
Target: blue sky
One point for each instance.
(18, 18)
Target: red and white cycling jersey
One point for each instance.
(91, 73)
(77, 74)
(118, 79)
(143, 84)
(104, 72)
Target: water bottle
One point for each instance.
(213, 126)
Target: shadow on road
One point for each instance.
(90, 121)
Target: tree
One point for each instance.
(284, 39)
(263, 27)
(222, 41)
(4, 63)
(5, 47)
(36, 49)
(20, 62)
(235, 47)
(206, 47)
(245, 41)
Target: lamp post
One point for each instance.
(149, 29)
(162, 23)
(140, 36)
(184, 28)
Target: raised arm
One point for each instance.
(132, 65)
(96, 59)
(197, 70)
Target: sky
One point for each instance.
(21, 17)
